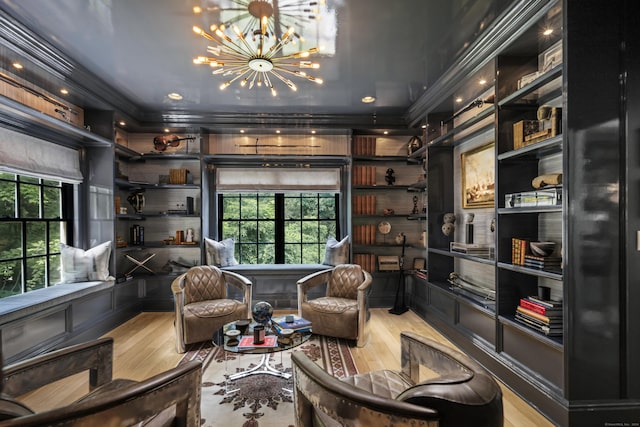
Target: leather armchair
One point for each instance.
(169, 398)
(343, 311)
(459, 392)
(202, 306)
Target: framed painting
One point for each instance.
(478, 177)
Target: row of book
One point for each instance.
(364, 205)
(364, 175)
(366, 261)
(364, 234)
(364, 146)
(136, 235)
(521, 255)
(542, 315)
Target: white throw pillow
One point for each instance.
(336, 252)
(81, 266)
(220, 254)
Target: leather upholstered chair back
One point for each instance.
(204, 282)
(344, 281)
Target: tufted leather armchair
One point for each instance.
(169, 398)
(343, 311)
(202, 305)
(457, 392)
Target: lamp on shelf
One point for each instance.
(250, 60)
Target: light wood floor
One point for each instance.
(144, 346)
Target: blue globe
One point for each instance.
(262, 312)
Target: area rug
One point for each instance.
(259, 400)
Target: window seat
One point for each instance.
(17, 306)
(276, 283)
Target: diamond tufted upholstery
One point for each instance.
(169, 398)
(202, 305)
(458, 392)
(342, 312)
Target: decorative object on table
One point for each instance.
(415, 209)
(296, 323)
(162, 142)
(233, 335)
(414, 144)
(258, 334)
(478, 177)
(543, 249)
(547, 179)
(448, 223)
(242, 325)
(136, 199)
(262, 312)
(389, 177)
(468, 227)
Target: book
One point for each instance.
(545, 303)
(298, 323)
(547, 330)
(538, 308)
(247, 342)
(546, 319)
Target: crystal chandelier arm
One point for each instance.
(285, 80)
(301, 74)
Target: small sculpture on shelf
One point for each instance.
(468, 227)
(415, 209)
(448, 226)
(389, 177)
(136, 199)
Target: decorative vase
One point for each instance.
(136, 199)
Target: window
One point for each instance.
(34, 220)
(279, 228)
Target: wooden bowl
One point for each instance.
(542, 248)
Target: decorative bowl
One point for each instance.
(542, 248)
(232, 333)
(286, 333)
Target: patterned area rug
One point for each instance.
(259, 400)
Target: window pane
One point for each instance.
(7, 175)
(10, 240)
(327, 208)
(51, 183)
(267, 206)
(292, 254)
(29, 201)
(292, 208)
(292, 232)
(230, 229)
(29, 179)
(10, 278)
(52, 202)
(36, 238)
(246, 253)
(267, 254)
(310, 232)
(56, 231)
(7, 199)
(327, 229)
(248, 232)
(35, 275)
(231, 206)
(267, 232)
(310, 254)
(55, 269)
(309, 208)
(249, 208)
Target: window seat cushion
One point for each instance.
(273, 269)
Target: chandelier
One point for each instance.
(248, 58)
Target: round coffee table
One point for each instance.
(232, 344)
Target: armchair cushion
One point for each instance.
(385, 383)
(333, 305)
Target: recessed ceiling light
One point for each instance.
(313, 131)
(547, 32)
(64, 91)
(167, 130)
(175, 96)
(458, 99)
(368, 99)
(17, 65)
(277, 131)
(424, 126)
(386, 132)
(241, 130)
(482, 82)
(122, 123)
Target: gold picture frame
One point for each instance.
(478, 177)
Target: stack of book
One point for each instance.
(543, 262)
(299, 324)
(541, 315)
(246, 342)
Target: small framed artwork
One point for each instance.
(419, 263)
(478, 177)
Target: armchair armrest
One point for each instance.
(309, 282)
(244, 284)
(94, 356)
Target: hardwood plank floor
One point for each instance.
(144, 346)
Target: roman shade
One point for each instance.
(278, 179)
(23, 154)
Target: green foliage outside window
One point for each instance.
(289, 228)
(31, 230)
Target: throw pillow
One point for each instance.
(336, 252)
(220, 254)
(79, 265)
